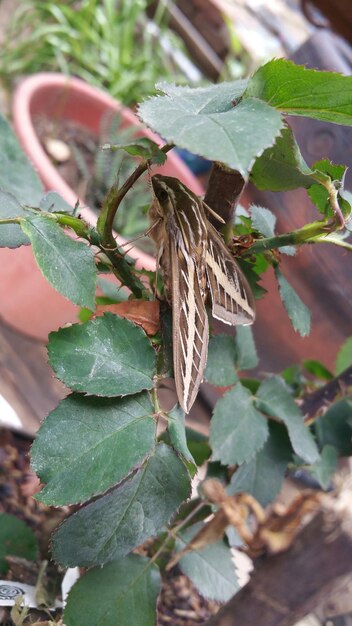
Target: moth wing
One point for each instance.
(232, 297)
(189, 324)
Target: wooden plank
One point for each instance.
(26, 380)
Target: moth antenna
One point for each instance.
(213, 213)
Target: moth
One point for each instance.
(194, 262)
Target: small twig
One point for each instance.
(334, 203)
(172, 532)
(316, 402)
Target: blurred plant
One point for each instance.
(105, 42)
(111, 166)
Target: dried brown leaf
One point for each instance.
(145, 313)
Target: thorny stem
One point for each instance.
(334, 203)
(158, 411)
(113, 200)
(172, 532)
(314, 232)
(120, 266)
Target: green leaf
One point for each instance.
(297, 311)
(221, 363)
(334, 427)
(326, 173)
(177, 433)
(142, 147)
(262, 477)
(246, 353)
(107, 356)
(210, 569)
(282, 167)
(123, 592)
(344, 357)
(11, 235)
(206, 121)
(320, 197)
(317, 369)
(237, 430)
(325, 467)
(139, 508)
(54, 203)
(295, 90)
(16, 539)
(274, 398)
(67, 264)
(263, 220)
(88, 444)
(198, 445)
(17, 175)
(112, 291)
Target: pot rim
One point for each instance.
(23, 98)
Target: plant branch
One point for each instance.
(172, 532)
(310, 233)
(315, 403)
(287, 586)
(223, 193)
(113, 200)
(11, 220)
(334, 203)
(122, 269)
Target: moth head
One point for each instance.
(163, 193)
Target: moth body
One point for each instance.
(194, 261)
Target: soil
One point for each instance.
(179, 602)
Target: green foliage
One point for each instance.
(108, 356)
(295, 90)
(282, 167)
(123, 592)
(334, 428)
(263, 475)
(246, 353)
(74, 272)
(114, 160)
(296, 309)
(139, 508)
(76, 460)
(11, 235)
(211, 569)
(99, 446)
(317, 369)
(275, 399)
(324, 469)
(206, 122)
(221, 363)
(16, 539)
(177, 433)
(97, 43)
(19, 184)
(344, 357)
(237, 430)
(17, 176)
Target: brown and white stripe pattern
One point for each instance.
(194, 260)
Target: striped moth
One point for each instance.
(194, 261)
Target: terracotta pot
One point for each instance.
(33, 306)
